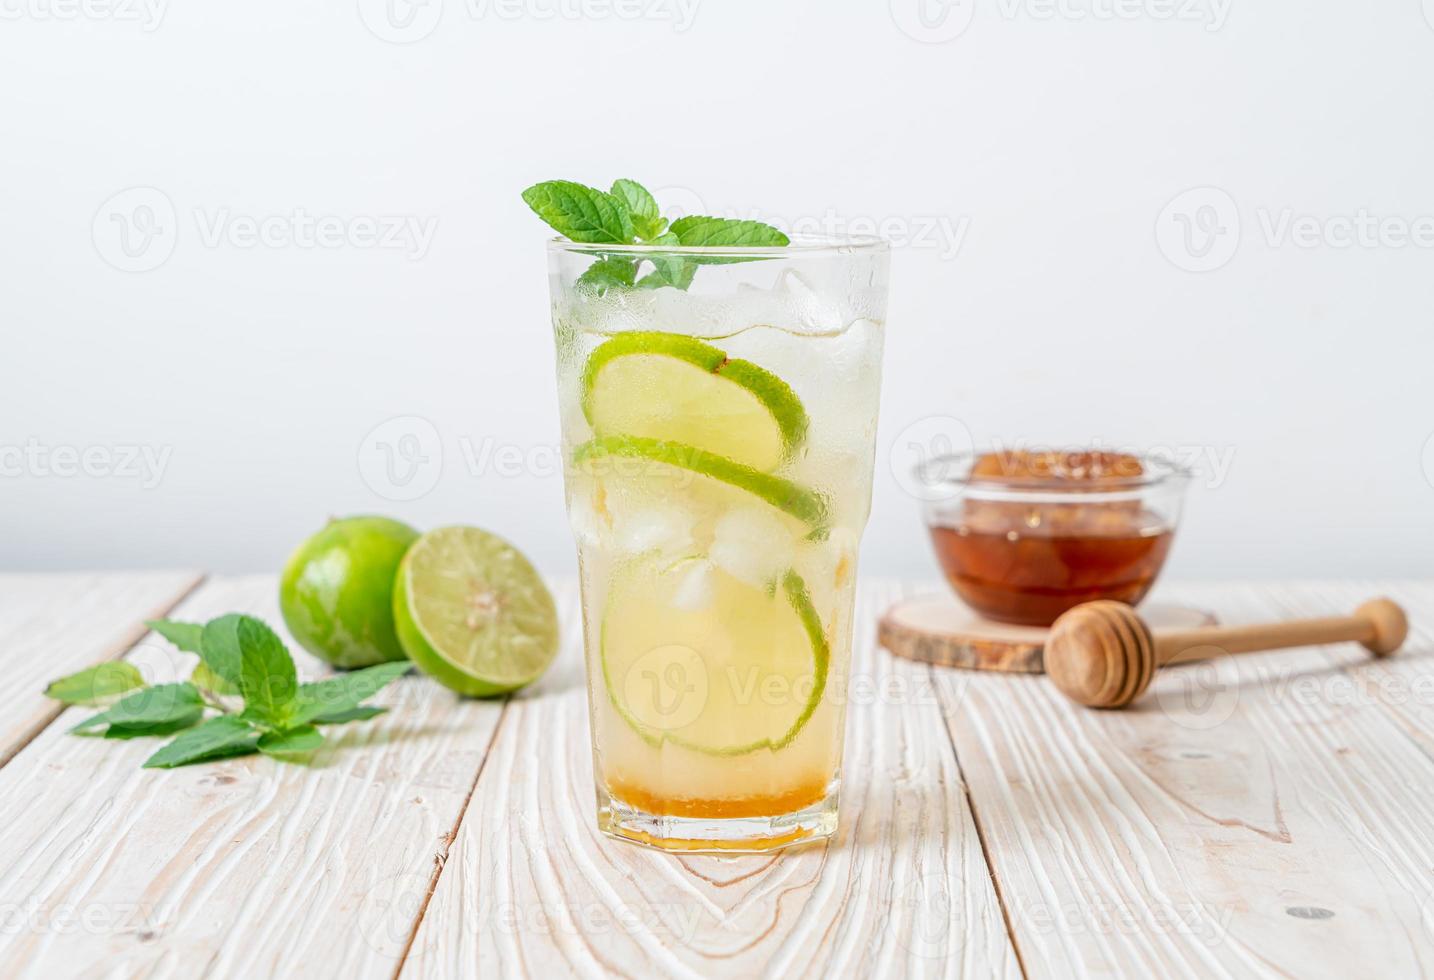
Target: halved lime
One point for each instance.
(653, 461)
(676, 388)
(717, 665)
(473, 613)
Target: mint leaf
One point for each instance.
(157, 728)
(705, 232)
(582, 213)
(204, 678)
(183, 635)
(216, 738)
(97, 684)
(149, 706)
(219, 647)
(291, 742)
(642, 205)
(361, 713)
(189, 637)
(604, 274)
(266, 676)
(343, 692)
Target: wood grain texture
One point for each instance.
(1265, 815)
(241, 868)
(532, 889)
(53, 625)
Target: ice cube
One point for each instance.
(753, 545)
(590, 525)
(695, 589)
(828, 567)
(812, 311)
(665, 529)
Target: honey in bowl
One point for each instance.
(1029, 535)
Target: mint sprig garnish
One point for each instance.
(239, 655)
(629, 215)
(583, 214)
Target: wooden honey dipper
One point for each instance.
(1103, 655)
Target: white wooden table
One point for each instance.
(1261, 817)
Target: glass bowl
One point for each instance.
(1022, 537)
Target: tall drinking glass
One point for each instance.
(719, 421)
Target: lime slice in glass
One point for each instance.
(659, 469)
(472, 612)
(693, 656)
(678, 389)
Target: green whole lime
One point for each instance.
(336, 592)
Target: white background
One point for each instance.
(1033, 157)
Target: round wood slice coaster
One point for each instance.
(942, 630)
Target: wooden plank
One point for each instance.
(1241, 819)
(241, 868)
(55, 624)
(531, 889)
